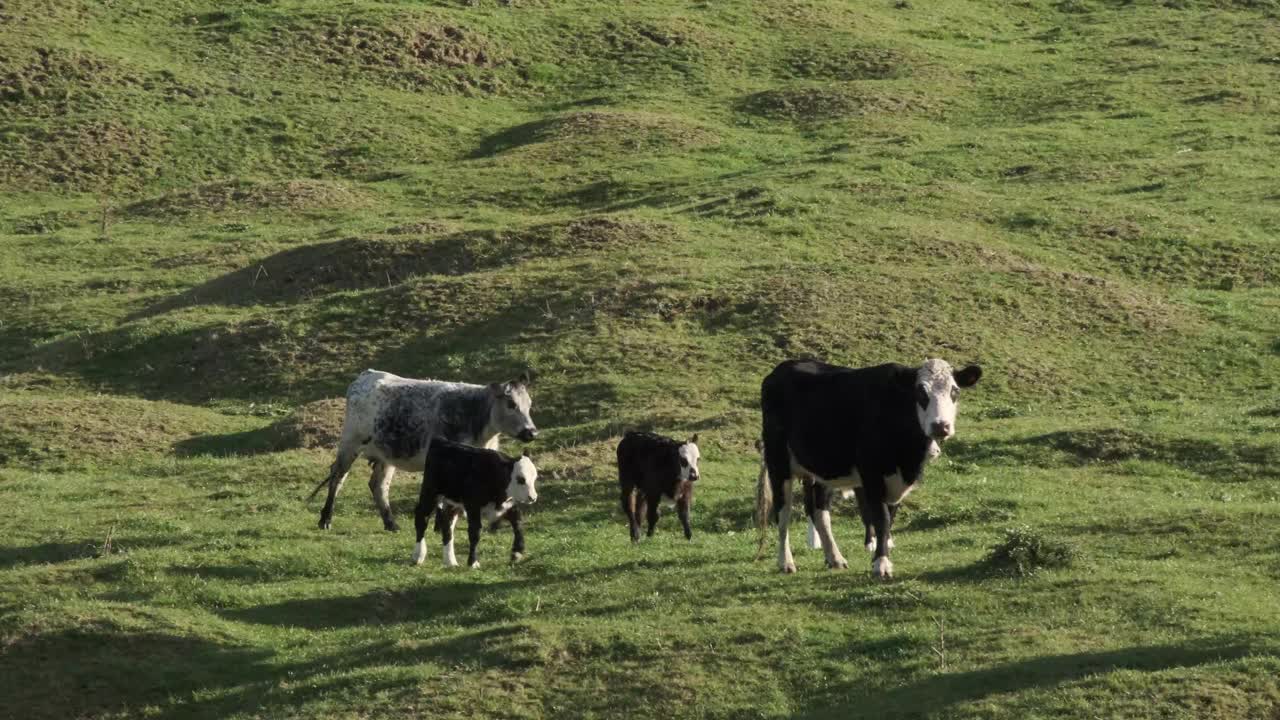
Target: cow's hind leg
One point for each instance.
(348, 450)
(629, 507)
(820, 520)
(810, 489)
(380, 486)
(517, 535)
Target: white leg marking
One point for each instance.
(889, 543)
(786, 562)
(871, 544)
(475, 565)
(882, 568)
(814, 541)
(449, 559)
(835, 560)
(420, 551)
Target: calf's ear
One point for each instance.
(526, 378)
(968, 377)
(526, 453)
(497, 389)
(694, 440)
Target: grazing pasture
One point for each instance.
(214, 215)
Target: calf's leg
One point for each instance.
(474, 525)
(682, 509)
(653, 503)
(380, 486)
(517, 535)
(426, 503)
(446, 519)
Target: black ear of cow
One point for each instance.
(968, 377)
(525, 453)
(526, 378)
(694, 440)
(497, 389)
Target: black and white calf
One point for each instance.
(870, 430)
(652, 467)
(392, 420)
(485, 484)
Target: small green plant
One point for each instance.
(1026, 551)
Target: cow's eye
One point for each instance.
(684, 463)
(511, 404)
(922, 396)
(955, 393)
(520, 480)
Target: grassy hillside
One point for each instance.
(214, 214)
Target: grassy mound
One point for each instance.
(247, 196)
(597, 131)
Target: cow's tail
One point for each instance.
(764, 499)
(323, 483)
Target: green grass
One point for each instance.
(214, 215)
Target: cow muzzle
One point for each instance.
(528, 434)
(941, 430)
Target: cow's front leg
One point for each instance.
(517, 534)
(474, 525)
(651, 514)
(682, 510)
(878, 512)
(446, 520)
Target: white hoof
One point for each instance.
(889, 543)
(517, 557)
(871, 546)
(882, 568)
(839, 563)
(420, 552)
(788, 568)
(475, 565)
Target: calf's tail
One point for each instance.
(764, 499)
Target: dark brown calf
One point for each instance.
(651, 467)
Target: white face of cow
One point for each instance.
(510, 410)
(523, 487)
(689, 456)
(937, 394)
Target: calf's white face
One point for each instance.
(689, 456)
(937, 393)
(523, 487)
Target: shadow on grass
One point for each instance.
(58, 552)
(937, 693)
(111, 670)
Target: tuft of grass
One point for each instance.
(1026, 551)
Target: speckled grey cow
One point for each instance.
(391, 420)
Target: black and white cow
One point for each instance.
(484, 483)
(392, 420)
(651, 467)
(870, 430)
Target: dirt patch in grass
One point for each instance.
(246, 195)
(826, 103)
(60, 432)
(314, 425)
(828, 62)
(89, 155)
(598, 131)
(1205, 264)
(422, 227)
